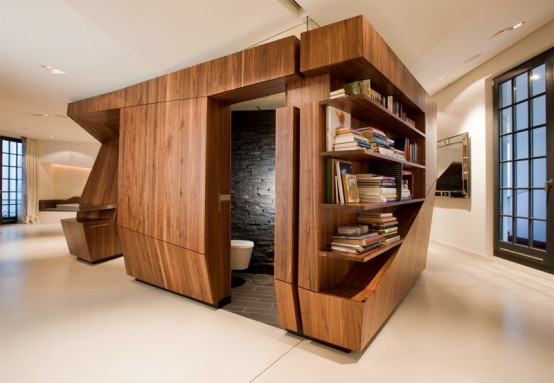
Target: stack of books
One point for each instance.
(356, 239)
(384, 224)
(350, 139)
(405, 192)
(378, 140)
(337, 94)
(375, 188)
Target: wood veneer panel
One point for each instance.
(163, 171)
(288, 306)
(103, 125)
(263, 67)
(101, 186)
(166, 265)
(92, 241)
(286, 194)
(218, 209)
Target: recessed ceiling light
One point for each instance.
(40, 115)
(509, 29)
(52, 69)
(441, 78)
(50, 136)
(472, 58)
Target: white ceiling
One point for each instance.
(109, 44)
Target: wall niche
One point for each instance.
(253, 183)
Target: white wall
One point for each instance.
(64, 168)
(466, 106)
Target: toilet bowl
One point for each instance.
(241, 252)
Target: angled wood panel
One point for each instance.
(162, 171)
(166, 265)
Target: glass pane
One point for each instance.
(522, 203)
(5, 158)
(539, 204)
(505, 93)
(522, 231)
(19, 148)
(506, 202)
(538, 108)
(5, 184)
(19, 160)
(13, 160)
(13, 147)
(506, 229)
(12, 172)
(538, 143)
(12, 211)
(522, 144)
(506, 148)
(5, 172)
(506, 175)
(5, 146)
(521, 91)
(522, 174)
(12, 185)
(12, 196)
(19, 173)
(506, 121)
(18, 197)
(539, 172)
(539, 234)
(538, 80)
(522, 116)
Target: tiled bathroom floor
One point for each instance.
(255, 299)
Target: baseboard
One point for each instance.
(505, 265)
(474, 254)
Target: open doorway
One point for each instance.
(253, 207)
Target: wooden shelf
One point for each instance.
(368, 111)
(78, 207)
(370, 206)
(365, 154)
(363, 257)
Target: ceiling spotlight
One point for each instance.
(52, 69)
(509, 29)
(40, 115)
(441, 78)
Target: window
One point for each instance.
(12, 179)
(523, 100)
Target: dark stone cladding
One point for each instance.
(253, 182)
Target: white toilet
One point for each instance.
(241, 252)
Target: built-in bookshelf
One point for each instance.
(358, 287)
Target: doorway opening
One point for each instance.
(253, 207)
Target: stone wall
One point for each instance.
(253, 182)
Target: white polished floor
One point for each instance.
(61, 320)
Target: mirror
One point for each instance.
(453, 167)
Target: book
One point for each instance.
(350, 188)
(366, 219)
(354, 249)
(342, 167)
(358, 241)
(377, 214)
(353, 229)
(353, 88)
(336, 119)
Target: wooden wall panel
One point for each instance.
(162, 171)
(217, 224)
(166, 265)
(262, 65)
(288, 305)
(286, 193)
(101, 186)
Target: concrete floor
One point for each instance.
(61, 320)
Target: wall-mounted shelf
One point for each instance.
(365, 154)
(368, 110)
(78, 207)
(361, 206)
(362, 257)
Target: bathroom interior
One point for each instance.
(253, 209)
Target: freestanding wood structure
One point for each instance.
(173, 172)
